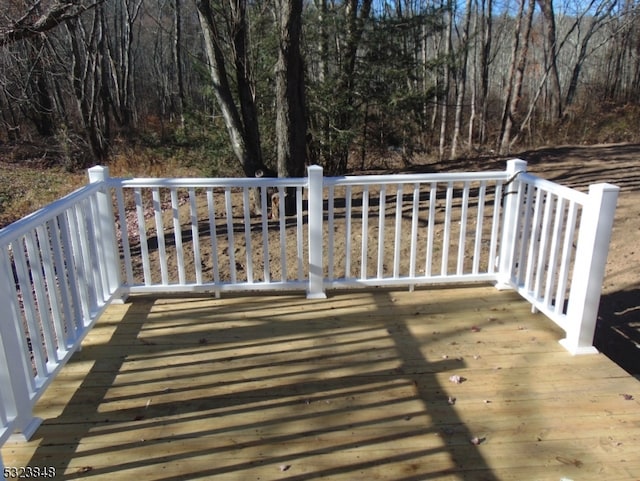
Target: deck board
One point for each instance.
(353, 387)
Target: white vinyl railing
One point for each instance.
(555, 243)
(57, 274)
(60, 267)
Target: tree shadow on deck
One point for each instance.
(234, 388)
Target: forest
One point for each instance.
(267, 87)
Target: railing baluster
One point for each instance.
(124, 237)
(142, 237)
(177, 233)
(162, 245)
(544, 242)
(74, 270)
(347, 219)
(534, 241)
(397, 239)
(495, 229)
(85, 243)
(446, 237)
(264, 210)
(195, 235)
(525, 233)
(231, 245)
(365, 233)
(282, 223)
(415, 214)
(477, 245)
(67, 326)
(553, 252)
(382, 208)
(331, 233)
(565, 261)
(213, 236)
(431, 227)
(299, 234)
(462, 239)
(247, 234)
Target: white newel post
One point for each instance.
(15, 374)
(316, 215)
(511, 213)
(107, 229)
(590, 262)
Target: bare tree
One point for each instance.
(446, 78)
(291, 119)
(516, 73)
(551, 58)
(40, 18)
(461, 78)
(243, 130)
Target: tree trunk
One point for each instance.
(243, 75)
(446, 81)
(248, 154)
(291, 120)
(462, 81)
(552, 58)
(177, 59)
(512, 100)
(485, 55)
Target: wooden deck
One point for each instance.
(355, 387)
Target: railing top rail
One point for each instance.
(417, 178)
(28, 223)
(198, 182)
(557, 189)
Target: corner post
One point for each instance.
(511, 214)
(316, 248)
(590, 262)
(106, 229)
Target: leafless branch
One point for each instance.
(30, 24)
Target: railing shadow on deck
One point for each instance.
(321, 387)
(617, 332)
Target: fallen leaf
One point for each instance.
(285, 467)
(627, 397)
(569, 461)
(475, 329)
